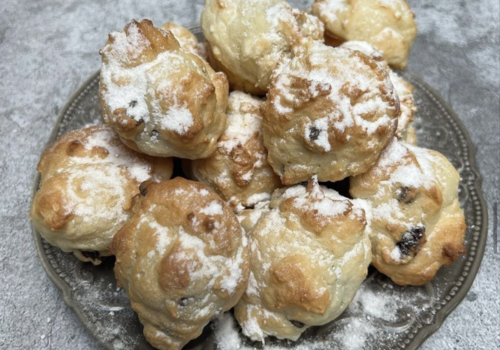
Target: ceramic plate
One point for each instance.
(382, 316)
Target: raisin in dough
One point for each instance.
(416, 222)
(182, 258)
(161, 99)
(329, 112)
(309, 255)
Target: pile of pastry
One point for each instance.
(275, 102)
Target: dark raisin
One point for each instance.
(91, 255)
(139, 122)
(132, 104)
(410, 240)
(154, 133)
(184, 301)
(143, 189)
(405, 194)
(313, 133)
(297, 324)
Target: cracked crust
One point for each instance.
(288, 291)
(182, 259)
(387, 25)
(161, 99)
(416, 221)
(238, 170)
(246, 39)
(330, 120)
(88, 182)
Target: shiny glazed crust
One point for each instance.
(416, 221)
(246, 39)
(330, 112)
(387, 25)
(238, 170)
(161, 99)
(182, 259)
(88, 181)
(288, 289)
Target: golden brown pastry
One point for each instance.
(309, 255)
(388, 25)
(416, 221)
(88, 181)
(238, 170)
(330, 112)
(405, 131)
(162, 100)
(182, 259)
(246, 39)
(186, 39)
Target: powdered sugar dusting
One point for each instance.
(214, 208)
(338, 87)
(243, 121)
(177, 118)
(138, 89)
(89, 186)
(330, 9)
(213, 267)
(118, 154)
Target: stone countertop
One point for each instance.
(48, 48)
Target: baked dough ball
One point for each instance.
(162, 100)
(247, 39)
(88, 181)
(405, 131)
(330, 112)
(388, 25)
(238, 170)
(186, 39)
(416, 222)
(309, 255)
(182, 259)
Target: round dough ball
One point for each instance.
(182, 259)
(238, 170)
(330, 112)
(88, 182)
(161, 100)
(416, 222)
(405, 131)
(388, 25)
(309, 255)
(247, 38)
(186, 39)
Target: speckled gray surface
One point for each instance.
(49, 48)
